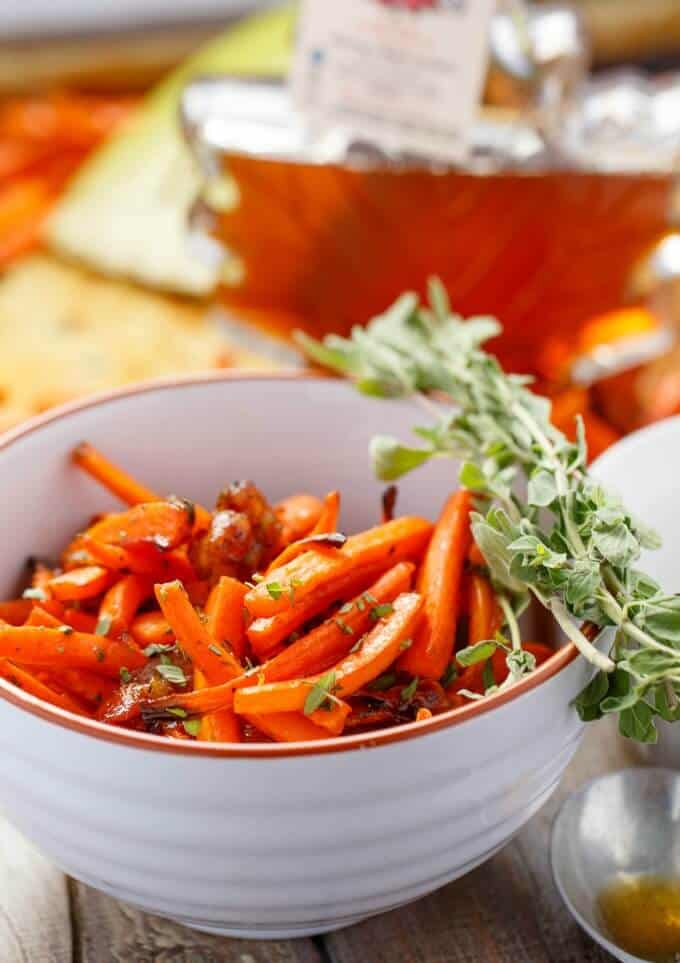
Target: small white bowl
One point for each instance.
(269, 840)
(644, 469)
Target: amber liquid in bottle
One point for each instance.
(324, 247)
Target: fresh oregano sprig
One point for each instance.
(545, 527)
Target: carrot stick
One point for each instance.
(377, 652)
(484, 619)
(30, 645)
(288, 727)
(119, 605)
(119, 483)
(162, 524)
(331, 641)
(439, 583)
(28, 682)
(92, 688)
(140, 560)
(404, 538)
(327, 522)
(70, 618)
(80, 583)
(216, 662)
(475, 556)
(16, 611)
(219, 726)
(298, 515)
(226, 615)
(152, 628)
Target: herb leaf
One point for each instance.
(320, 693)
(172, 673)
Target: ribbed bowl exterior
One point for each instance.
(278, 847)
(274, 846)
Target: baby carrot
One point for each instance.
(216, 662)
(385, 545)
(119, 606)
(80, 583)
(219, 726)
(25, 680)
(288, 727)
(162, 524)
(439, 583)
(226, 615)
(30, 645)
(16, 611)
(298, 515)
(484, 617)
(376, 653)
(152, 628)
(327, 522)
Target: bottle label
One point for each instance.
(405, 75)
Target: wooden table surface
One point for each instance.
(507, 911)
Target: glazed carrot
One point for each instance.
(219, 726)
(162, 524)
(331, 641)
(119, 605)
(376, 653)
(152, 628)
(30, 645)
(298, 515)
(327, 522)
(288, 727)
(216, 662)
(226, 615)
(331, 717)
(265, 635)
(80, 583)
(475, 556)
(140, 560)
(77, 619)
(88, 686)
(402, 539)
(484, 615)
(119, 483)
(25, 680)
(16, 611)
(439, 583)
(290, 697)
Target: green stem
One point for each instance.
(511, 620)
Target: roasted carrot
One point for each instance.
(70, 618)
(25, 680)
(331, 641)
(219, 726)
(162, 524)
(152, 628)
(216, 662)
(298, 514)
(80, 583)
(15, 611)
(28, 645)
(119, 483)
(140, 560)
(485, 619)
(119, 606)
(376, 653)
(327, 522)
(439, 583)
(475, 556)
(402, 539)
(288, 727)
(88, 686)
(226, 615)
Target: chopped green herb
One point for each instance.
(347, 607)
(361, 603)
(320, 693)
(450, 673)
(257, 577)
(65, 630)
(344, 627)
(99, 653)
(275, 590)
(178, 711)
(409, 691)
(488, 678)
(157, 649)
(406, 644)
(381, 611)
(103, 626)
(215, 650)
(125, 675)
(38, 594)
(172, 673)
(383, 682)
(165, 659)
(192, 727)
(479, 652)
(293, 637)
(371, 599)
(357, 645)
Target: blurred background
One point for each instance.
(152, 223)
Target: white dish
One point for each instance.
(269, 840)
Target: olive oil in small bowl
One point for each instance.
(642, 915)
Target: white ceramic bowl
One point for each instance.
(270, 840)
(644, 469)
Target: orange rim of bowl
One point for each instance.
(143, 740)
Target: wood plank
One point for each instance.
(105, 930)
(35, 924)
(506, 911)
